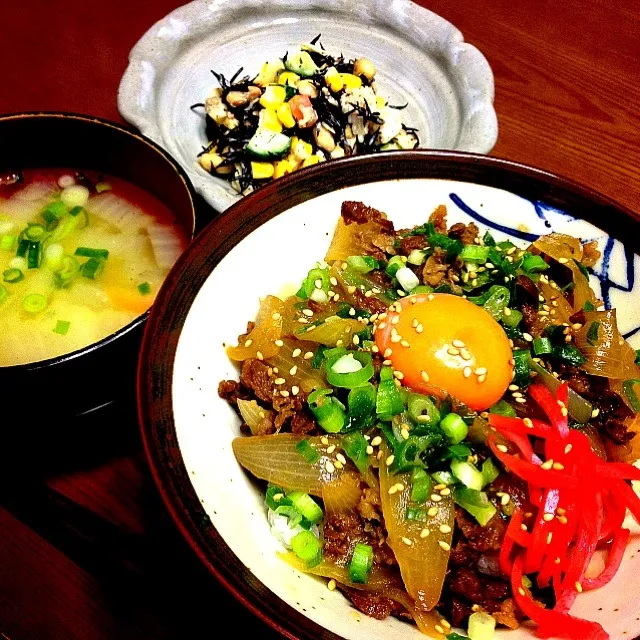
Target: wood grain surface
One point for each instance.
(87, 549)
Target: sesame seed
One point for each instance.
(405, 343)
(336, 297)
(430, 297)
(445, 492)
(547, 464)
(389, 460)
(293, 370)
(295, 390)
(407, 541)
(432, 511)
(279, 381)
(472, 274)
(445, 528)
(398, 374)
(303, 321)
(578, 587)
(382, 325)
(248, 343)
(562, 519)
(399, 486)
(521, 591)
(425, 376)
(295, 353)
(504, 501)
(338, 464)
(528, 337)
(377, 441)
(387, 362)
(279, 343)
(352, 312)
(465, 354)
(333, 280)
(595, 413)
(557, 560)
(284, 393)
(395, 337)
(484, 414)
(404, 432)
(419, 329)
(543, 313)
(445, 623)
(440, 486)
(513, 387)
(331, 449)
(444, 545)
(528, 423)
(259, 355)
(344, 266)
(339, 343)
(452, 351)
(506, 311)
(521, 400)
(576, 326)
(561, 511)
(502, 448)
(548, 517)
(369, 450)
(331, 585)
(558, 466)
(563, 260)
(438, 628)
(356, 340)
(351, 289)
(395, 320)
(549, 537)
(424, 533)
(387, 352)
(324, 440)
(564, 411)
(278, 496)
(308, 355)
(341, 458)
(276, 316)
(482, 378)
(524, 527)
(435, 497)
(328, 465)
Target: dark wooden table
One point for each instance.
(86, 548)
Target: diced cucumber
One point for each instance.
(267, 144)
(302, 64)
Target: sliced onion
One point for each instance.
(254, 415)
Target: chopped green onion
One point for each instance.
(420, 485)
(497, 301)
(533, 264)
(637, 360)
(394, 264)
(355, 446)
(34, 257)
(308, 285)
(92, 268)
(482, 626)
(456, 636)
(305, 449)
(443, 477)
(308, 548)
(388, 399)
(62, 326)
(35, 232)
(76, 211)
(34, 303)
(68, 270)
(592, 333)
(422, 288)
(12, 275)
(318, 356)
(416, 513)
(23, 247)
(87, 252)
(272, 492)
(451, 245)
(512, 319)
(362, 264)
(475, 503)
(467, 474)
(569, 354)
(306, 505)
(362, 404)
(144, 288)
(583, 270)
(588, 306)
(630, 393)
(541, 346)
(522, 376)
(103, 186)
(407, 453)
(417, 257)
(503, 408)
(488, 240)
(458, 452)
(422, 410)
(489, 472)
(454, 427)
(349, 370)
(361, 563)
(293, 516)
(474, 253)
(8, 241)
(64, 228)
(4, 293)
(328, 411)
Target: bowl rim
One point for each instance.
(162, 332)
(182, 175)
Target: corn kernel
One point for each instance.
(290, 78)
(269, 120)
(274, 94)
(282, 168)
(262, 170)
(285, 116)
(350, 81)
(380, 102)
(333, 79)
(269, 73)
(314, 159)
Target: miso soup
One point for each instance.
(81, 256)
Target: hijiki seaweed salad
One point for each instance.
(445, 423)
(301, 109)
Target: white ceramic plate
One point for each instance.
(277, 253)
(421, 59)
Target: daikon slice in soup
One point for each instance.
(81, 256)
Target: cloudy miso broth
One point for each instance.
(81, 256)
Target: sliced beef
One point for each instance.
(371, 604)
(232, 391)
(255, 376)
(359, 213)
(466, 233)
(487, 538)
(411, 243)
(435, 268)
(439, 219)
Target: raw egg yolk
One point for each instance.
(441, 343)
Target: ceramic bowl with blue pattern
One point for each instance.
(271, 239)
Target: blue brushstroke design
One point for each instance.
(541, 209)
